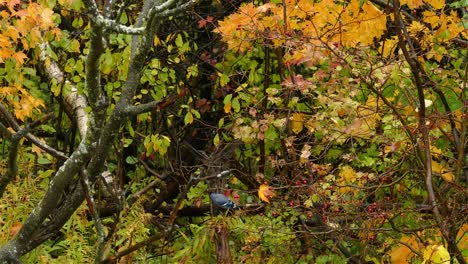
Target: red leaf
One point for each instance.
(202, 23)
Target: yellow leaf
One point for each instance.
(442, 171)
(436, 254)
(402, 254)
(297, 123)
(36, 149)
(432, 18)
(448, 176)
(412, 3)
(462, 238)
(227, 107)
(265, 192)
(435, 152)
(234, 180)
(437, 4)
(156, 41)
(348, 174)
(438, 168)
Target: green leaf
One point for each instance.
(162, 144)
(124, 18)
(43, 161)
(195, 113)
(223, 79)
(131, 160)
(227, 99)
(192, 71)
(188, 118)
(236, 105)
(221, 122)
(48, 129)
(179, 42)
(127, 142)
(46, 174)
(216, 140)
(271, 134)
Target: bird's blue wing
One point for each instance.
(222, 201)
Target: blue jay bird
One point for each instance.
(222, 201)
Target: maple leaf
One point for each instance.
(265, 193)
(19, 57)
(210, 19)
(46, 17)
(202, 23)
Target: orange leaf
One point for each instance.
(15, 228)
(265, 192)
(19, 57)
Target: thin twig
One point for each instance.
(94, 213)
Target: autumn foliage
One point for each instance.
(339, 127)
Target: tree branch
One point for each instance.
(57, 185)
(114, 26)
(76, 102)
